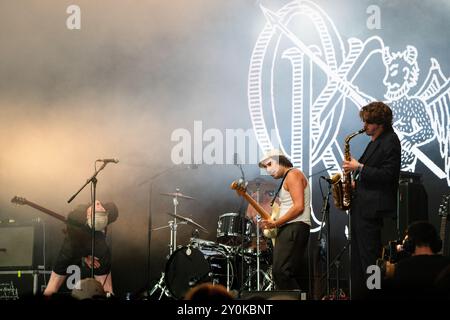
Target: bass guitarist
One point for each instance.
(294, 220)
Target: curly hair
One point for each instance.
(377, 112)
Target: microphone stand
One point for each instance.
(326, 221)
(93, 180)
(243, 225)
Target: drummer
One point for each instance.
(265, 199)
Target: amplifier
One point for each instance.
(20, 246)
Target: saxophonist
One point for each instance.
(374, 195)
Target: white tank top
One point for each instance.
(286, 203)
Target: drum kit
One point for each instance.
(239, 245)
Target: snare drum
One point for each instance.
(229, 229)
(189, 266)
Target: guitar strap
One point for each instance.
(279, 188)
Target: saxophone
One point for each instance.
(342, 188)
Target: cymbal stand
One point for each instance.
(267, 278)
(173, 228)
(258, 251)
(266, 282)
(228, 255)
(161, 285)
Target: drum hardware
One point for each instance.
(263, 278)
(196, 243)
(178, 194)
(161, 284)
(188, 221)
(194, 264)
(209, 246)
(258, 252)
(265, 283)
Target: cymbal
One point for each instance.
(178, 194)
(262, 184)
(188, 220)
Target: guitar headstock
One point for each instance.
(240, 186)
(19, 200)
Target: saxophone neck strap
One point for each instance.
(279, 188)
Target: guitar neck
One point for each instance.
(45, 210)
(257, 206)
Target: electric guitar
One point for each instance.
(443, 211)
(70, 224)
(23, 201)
(242, 191)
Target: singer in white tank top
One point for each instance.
(293, 223)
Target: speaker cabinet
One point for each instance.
(21, 245)
(16, 247)
(22, 252)
(412, 204)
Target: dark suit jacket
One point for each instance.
(375, 195)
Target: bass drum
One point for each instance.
(189, 266)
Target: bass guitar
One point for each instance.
(241, 190)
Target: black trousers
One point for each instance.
(365, 250)
(288, 254)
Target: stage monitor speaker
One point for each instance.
(274, 295)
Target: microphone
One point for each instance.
(333, 179)
(108, 160)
